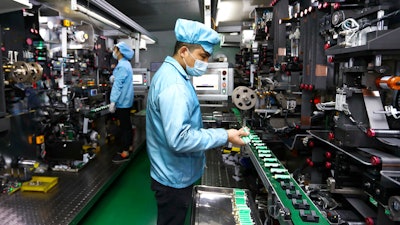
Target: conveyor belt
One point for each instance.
(219, 174)
(290, 197)
(72, 197)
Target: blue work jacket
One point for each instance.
(122, 90)
(176, 140)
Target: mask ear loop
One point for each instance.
(184, 57)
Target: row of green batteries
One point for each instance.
(241, 210)
(292, 196)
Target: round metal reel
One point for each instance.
(20, 71)
(37, 71)
(244, 98)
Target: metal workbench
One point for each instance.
(75, 193)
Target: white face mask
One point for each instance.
(115, 56)
(199, 67)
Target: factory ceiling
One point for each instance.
(228, 16)
(160, 15)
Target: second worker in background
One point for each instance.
(121, 98)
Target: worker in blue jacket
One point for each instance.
(121, 98)
(176, 139)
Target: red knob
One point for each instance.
(331, 136)
(328, 165)
(311, 144)
(371, 133)
(309, 162)
(328, 155)
(336, 6)
(369, 221)
(375, 160)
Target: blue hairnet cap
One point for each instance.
(194, 32)
(125, 50)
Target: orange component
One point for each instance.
(39, 139)
(388, 82)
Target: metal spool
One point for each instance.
(37, 71)
(20, 71)
(244, 98)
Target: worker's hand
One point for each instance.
(112, 107)
(234, 136)
(112, 78)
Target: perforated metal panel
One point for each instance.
(71, 198)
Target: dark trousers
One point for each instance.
(125, 127)
(172, 203)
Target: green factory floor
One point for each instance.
(129, 200)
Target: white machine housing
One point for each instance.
(216, 84)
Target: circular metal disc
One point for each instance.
(38, 72)
(19, 72)
(244, 98)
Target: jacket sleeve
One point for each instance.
(117, 87)
(176, 109)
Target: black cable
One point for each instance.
(379, 19)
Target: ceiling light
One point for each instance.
(224, 10)
(108, 8)
(76, 7)
(147, 39)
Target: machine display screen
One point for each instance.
(207, 82)
(137, 79)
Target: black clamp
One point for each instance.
(312, 217)
(300, 205)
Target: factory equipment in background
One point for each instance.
(56, 66)
(323, 110)
(215, 87)
(141, 84)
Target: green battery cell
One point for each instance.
(259, 147)
(245, 210)
(281, 176)
(239, 192)
(258, 144)
(271, 165)
(270, 159)
(264, 151)
(245, 221)
(246, 140)
(240, 201)
(263, 155)
(255, 140)
(245, 215)
(245, 218)
(278, 170)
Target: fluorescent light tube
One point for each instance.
(107, 7)
(76, 7)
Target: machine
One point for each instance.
(214, 87)
(323, 112)
(141, 84)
